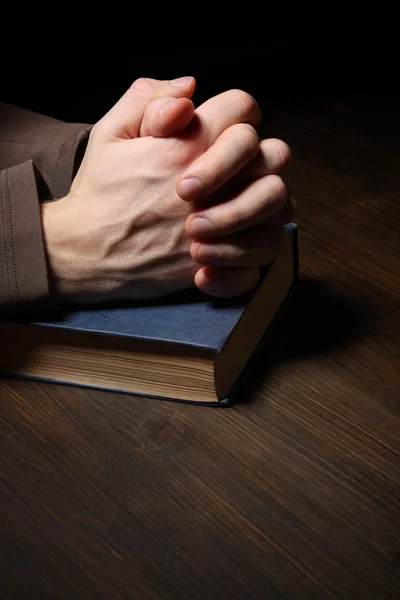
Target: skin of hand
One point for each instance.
(124, 231)
(220, 175)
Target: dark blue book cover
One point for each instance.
(189, 319)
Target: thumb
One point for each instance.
(124, 119)
(166, 116)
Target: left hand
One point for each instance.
(237, 192)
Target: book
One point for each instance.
(190, 347)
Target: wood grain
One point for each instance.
(293, 494)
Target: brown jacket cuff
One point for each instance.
(62, 158)
(54, 146)
(23, 268)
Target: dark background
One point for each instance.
(78, 74)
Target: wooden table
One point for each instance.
(292, 494)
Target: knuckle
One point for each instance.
(142, 84)
(178, 153)
(246, 102)
(236, 218)
(277, 189)
(247, 139)
(283, 152)
(224, 253)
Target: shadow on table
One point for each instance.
(318, 321)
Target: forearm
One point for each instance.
(39, 157)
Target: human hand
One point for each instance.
(120, 231)
(134, 262)
(240, 202)
(231, 181)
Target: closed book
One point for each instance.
(189, 347)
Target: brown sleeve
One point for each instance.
(23, 273)
(51, 144)
(37, 161)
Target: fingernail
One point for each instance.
(199, 227)
(181, 81)
(208, 253)
(189, 188)
(165, 107)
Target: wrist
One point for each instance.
(79, 155)
(62, 262)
